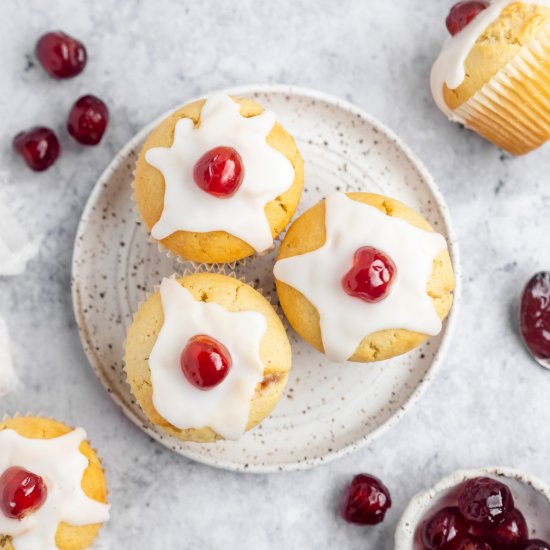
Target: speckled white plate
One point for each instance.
(328, 410)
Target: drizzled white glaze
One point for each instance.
(60, 463)
(449, 66)
(267, 174)
(346, 320)
(224, 408)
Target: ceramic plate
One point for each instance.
(328, 410)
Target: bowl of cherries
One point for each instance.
(489, 509)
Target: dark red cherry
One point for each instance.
(21, 492)
(38, 146)
(445, 530)
(219, 172)
(536, 544)
(88, 120)
(371, 276)
(462, 13)
(485, 500)
(61, 55)
(365, 501)
(511, 533)
(535, 317)
(205, 362)
(473, 544)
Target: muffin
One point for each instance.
(362, 277)
(492, 73)
(218, 180)
(67, 505)
(207, 357)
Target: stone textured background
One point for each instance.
(489, 404)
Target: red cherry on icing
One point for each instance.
(61, 55)
(365, 501)
(535, 315)
(219, 172)
(463, 13)
(88, 120)
(445, 530)
(486, 501)
(21, 492)
(371, 276)
(205, 362)
(39, 147)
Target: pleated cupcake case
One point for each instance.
(513, 109)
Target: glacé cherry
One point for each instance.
(485, 500)
(21, 492)
(61, 55)
(38, 146)
(535, 316)
(365, 501)
(88, 120)
(444, 530)
(511, 533)
(371, 276)
(205, 362)
(219, 172)
(462, 14)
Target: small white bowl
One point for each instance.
(531, 495)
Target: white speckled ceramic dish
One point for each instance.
(328, 410)
(531, 495)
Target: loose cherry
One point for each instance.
(485, 500)
(205, 362)
(371, 276)
(445, 530)
(88, 120)
(61, 55)
(462, 14)
(21, 492)
(39, 147)
(365, 501)
(219, 172)
(535, 317)
(536, 544)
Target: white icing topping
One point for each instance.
(449, 66)
(61, 465)
(345, 320)
(225, 407)
(267, 174)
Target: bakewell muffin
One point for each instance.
(207, 357)
(218, 180)
(362, 277)
(67, 505)
(493, 72)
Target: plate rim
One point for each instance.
(418, 392)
